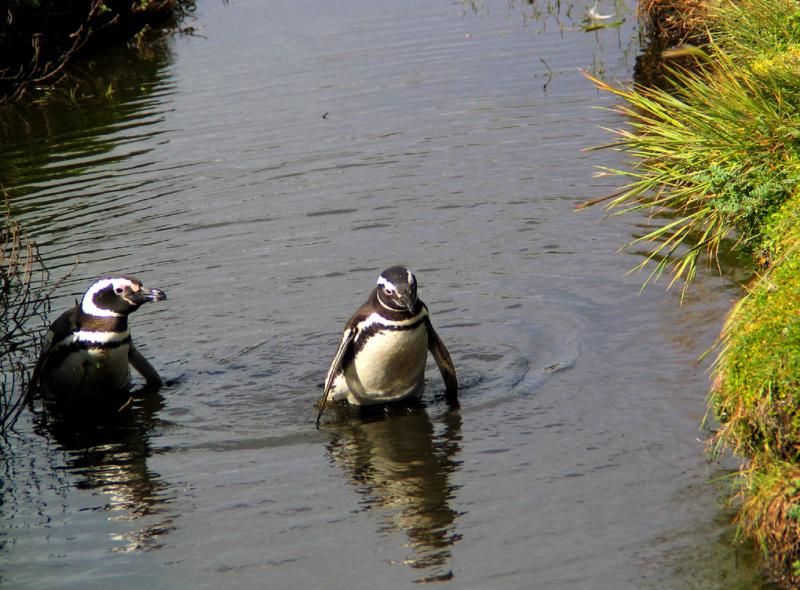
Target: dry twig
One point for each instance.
(24, 306)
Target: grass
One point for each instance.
(718, 148)
(770, 512)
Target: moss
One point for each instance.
(782, 232)
(757, 401)
(788, 60)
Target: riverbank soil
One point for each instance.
(674, 21)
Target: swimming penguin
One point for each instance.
(87, 350)
(385, 344)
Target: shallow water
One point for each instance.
(262, 172)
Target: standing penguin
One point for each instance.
(87, 350)
(385, 344)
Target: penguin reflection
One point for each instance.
(402, 464)
(108, 453)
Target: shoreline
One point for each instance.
(715, 161)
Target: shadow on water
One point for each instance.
(402, 462)
(107, 453)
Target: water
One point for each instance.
(262, 172)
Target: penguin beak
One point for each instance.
(144, 295)
(407, 300)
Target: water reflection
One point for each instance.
(84, 116)
(108, 453)
(403, 464)
(70, 157)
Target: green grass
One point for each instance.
(719, 148)
(756, 28)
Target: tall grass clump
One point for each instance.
(24, 305)
(715, 158)
(717, 151)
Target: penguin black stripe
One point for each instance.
(92, 344)
(376, 327)
(372, 306)
(91, 323)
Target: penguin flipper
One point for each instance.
(345, 346)
(144, 368)
(445, 364)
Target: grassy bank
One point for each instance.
(716, 161)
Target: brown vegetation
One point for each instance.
(24, 305)
(38, 38)
(674, 22)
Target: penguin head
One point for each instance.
(397, 289)
(117, 296)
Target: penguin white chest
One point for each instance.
(389, 366)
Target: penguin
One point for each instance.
(87, 350)
(384, 347)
